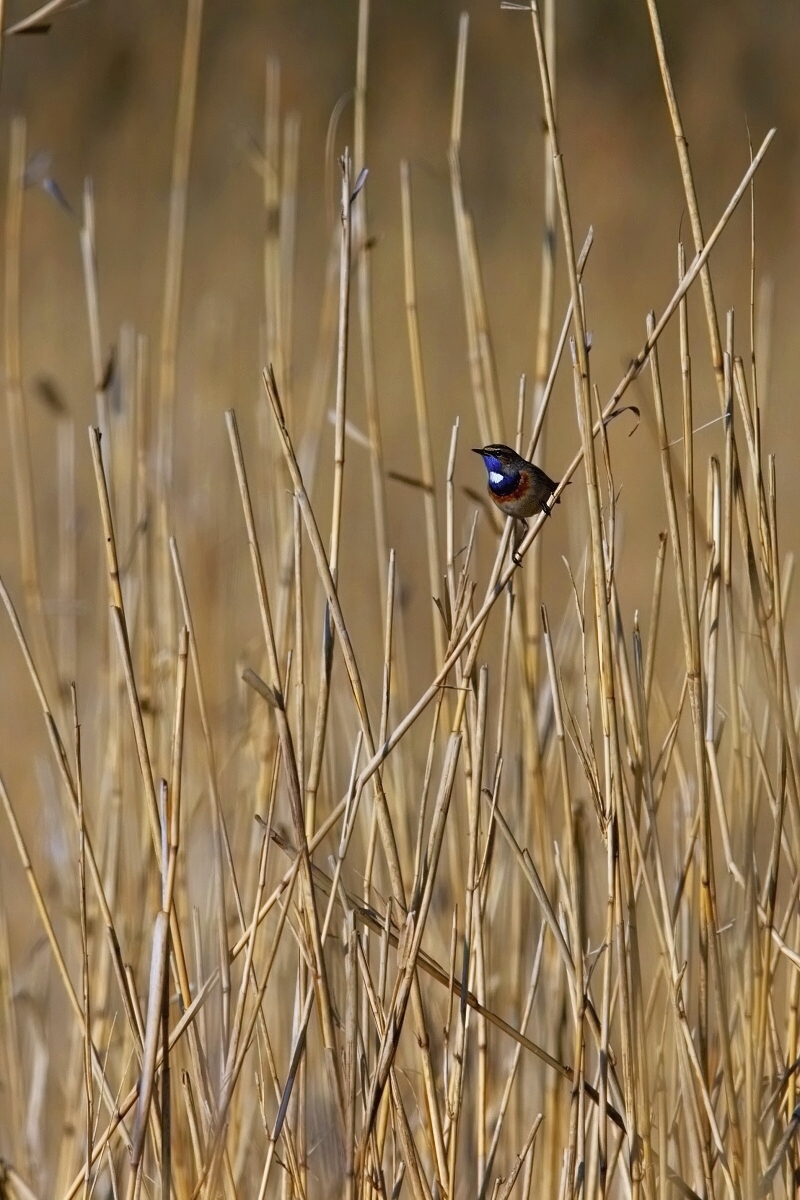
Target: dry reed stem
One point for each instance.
(176, 233)
(67, 642)
(37, 17)
(12, 1051)
(17, 419)
(420, 400)
(170, 320)
(477, 375)
(326, 655)
(364, 286)
(85, 973)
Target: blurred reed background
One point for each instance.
(556, 815)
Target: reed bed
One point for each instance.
(530, 930)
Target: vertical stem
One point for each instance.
(364, 283)
(17, 419)
(421, 403)
(544, 331)
(170, 320)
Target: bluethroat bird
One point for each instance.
(519, 488)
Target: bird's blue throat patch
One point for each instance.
(501, 480)
(493, 464)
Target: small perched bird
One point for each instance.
(519, 488)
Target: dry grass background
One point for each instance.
(679, 1000)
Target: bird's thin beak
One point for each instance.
(476, 451)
